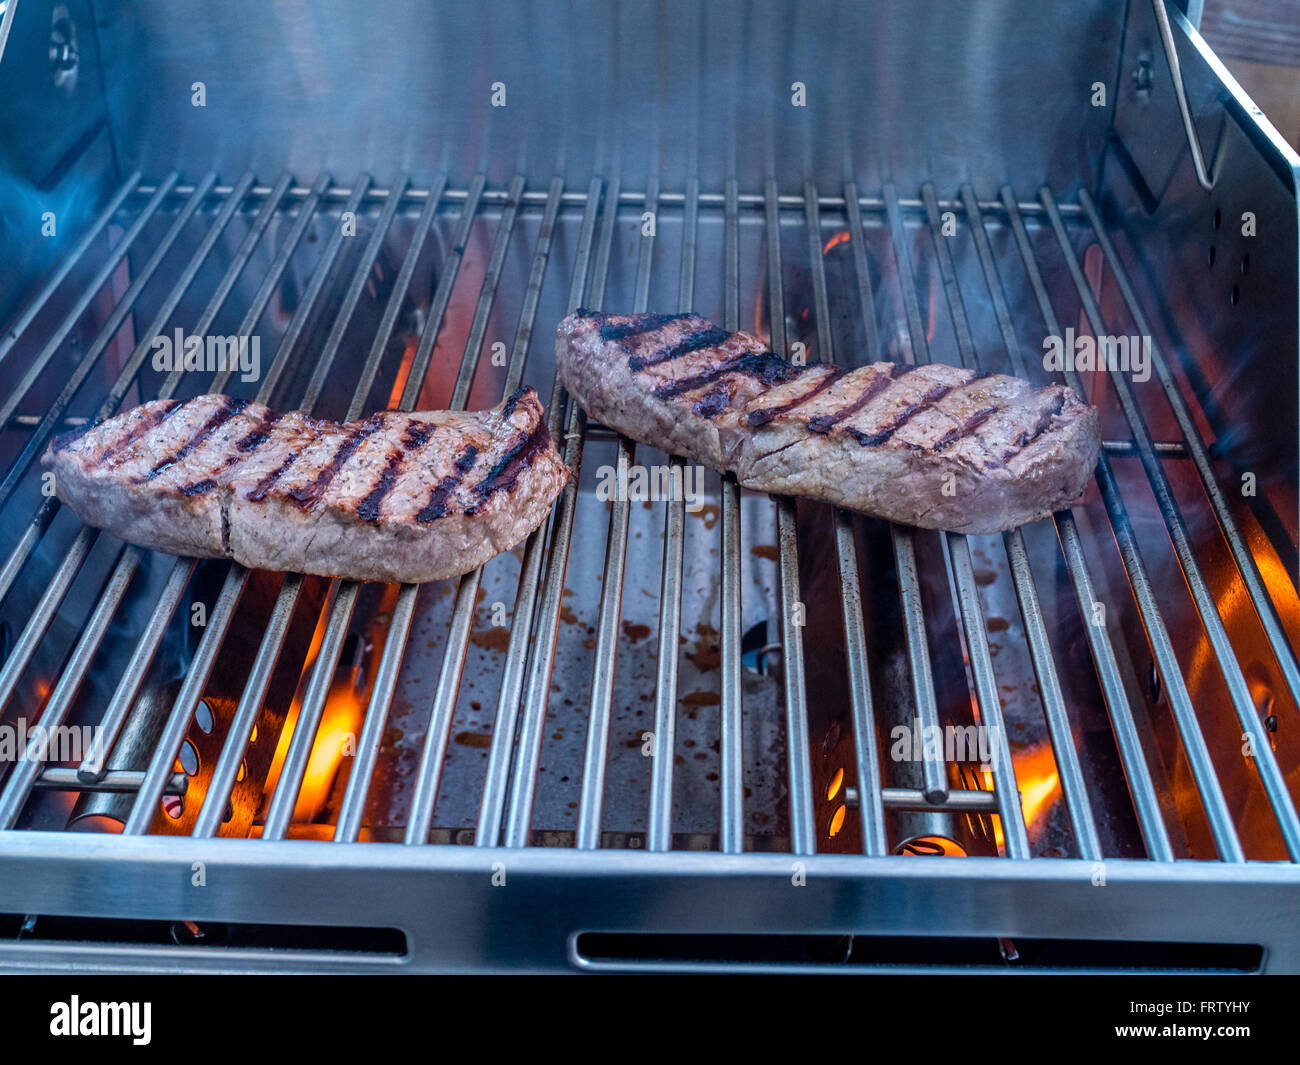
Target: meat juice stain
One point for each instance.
(635, 633)
(473, 739)
(494, 639)
(709, 513)
(708, 650)
(767, 551)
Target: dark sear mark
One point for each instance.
(229, 408)
(767, 366)
(824, 423)
(264, 485)
(140, 429)
(643, 324)
(261, 434)
(512, 403)
(714, 402)
(416, 435)
(309, 493)
(705, 338)
(243, 449)
(503, 475)
(1029, 436)
(882, 435)
(965, 429)
(766, 414)
(437, 505)
(368, 508)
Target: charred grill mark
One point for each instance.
(714, 402)
(229, 408)
(243, 448)
(264, 485)
(142, 427)
(199, 487)
(368, 508)
(309, 493)
(883, 435)
(697, 341)
(437, 505)
(260, 435)
(645, 323)
(502, 476)
(512, 402)
(766, 414)
(965, 429)
(824, 423)
(1030, 435)
(467, 459)
(767, 366)
(416, 435)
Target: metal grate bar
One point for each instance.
(1198, 755)
(453, 661)
(187, 699)
(706, 199)
(872, 812)
(67, 570)
(1195, 446)
(146, 647)
(864, 726)
(226, 770)
(1270, 774)
(101, 341)
(963, 576)
(528, 749)
(43, 426)
(659, 833)
(74, 671)
(496, 780)
(28, 314)
(28, 767)
(444, 702)
(117, 782)
(592, 794)
(1136, 771)
(802, 829)
(732, 756)
(1049, 685)
(45, 513)
(934, 770)
(280, 812)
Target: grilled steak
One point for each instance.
(396, 497)
(933, 446)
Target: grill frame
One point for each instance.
(550, 895)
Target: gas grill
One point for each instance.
(661, 734)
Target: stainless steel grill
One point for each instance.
(723, 689)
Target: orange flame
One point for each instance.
(842, 237)
(1040, 788)
(403, 372)
(335, 739)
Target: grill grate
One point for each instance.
(1003, 243)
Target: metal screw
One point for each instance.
(1142, 79)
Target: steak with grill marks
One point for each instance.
(397, 497)
(934, 446)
